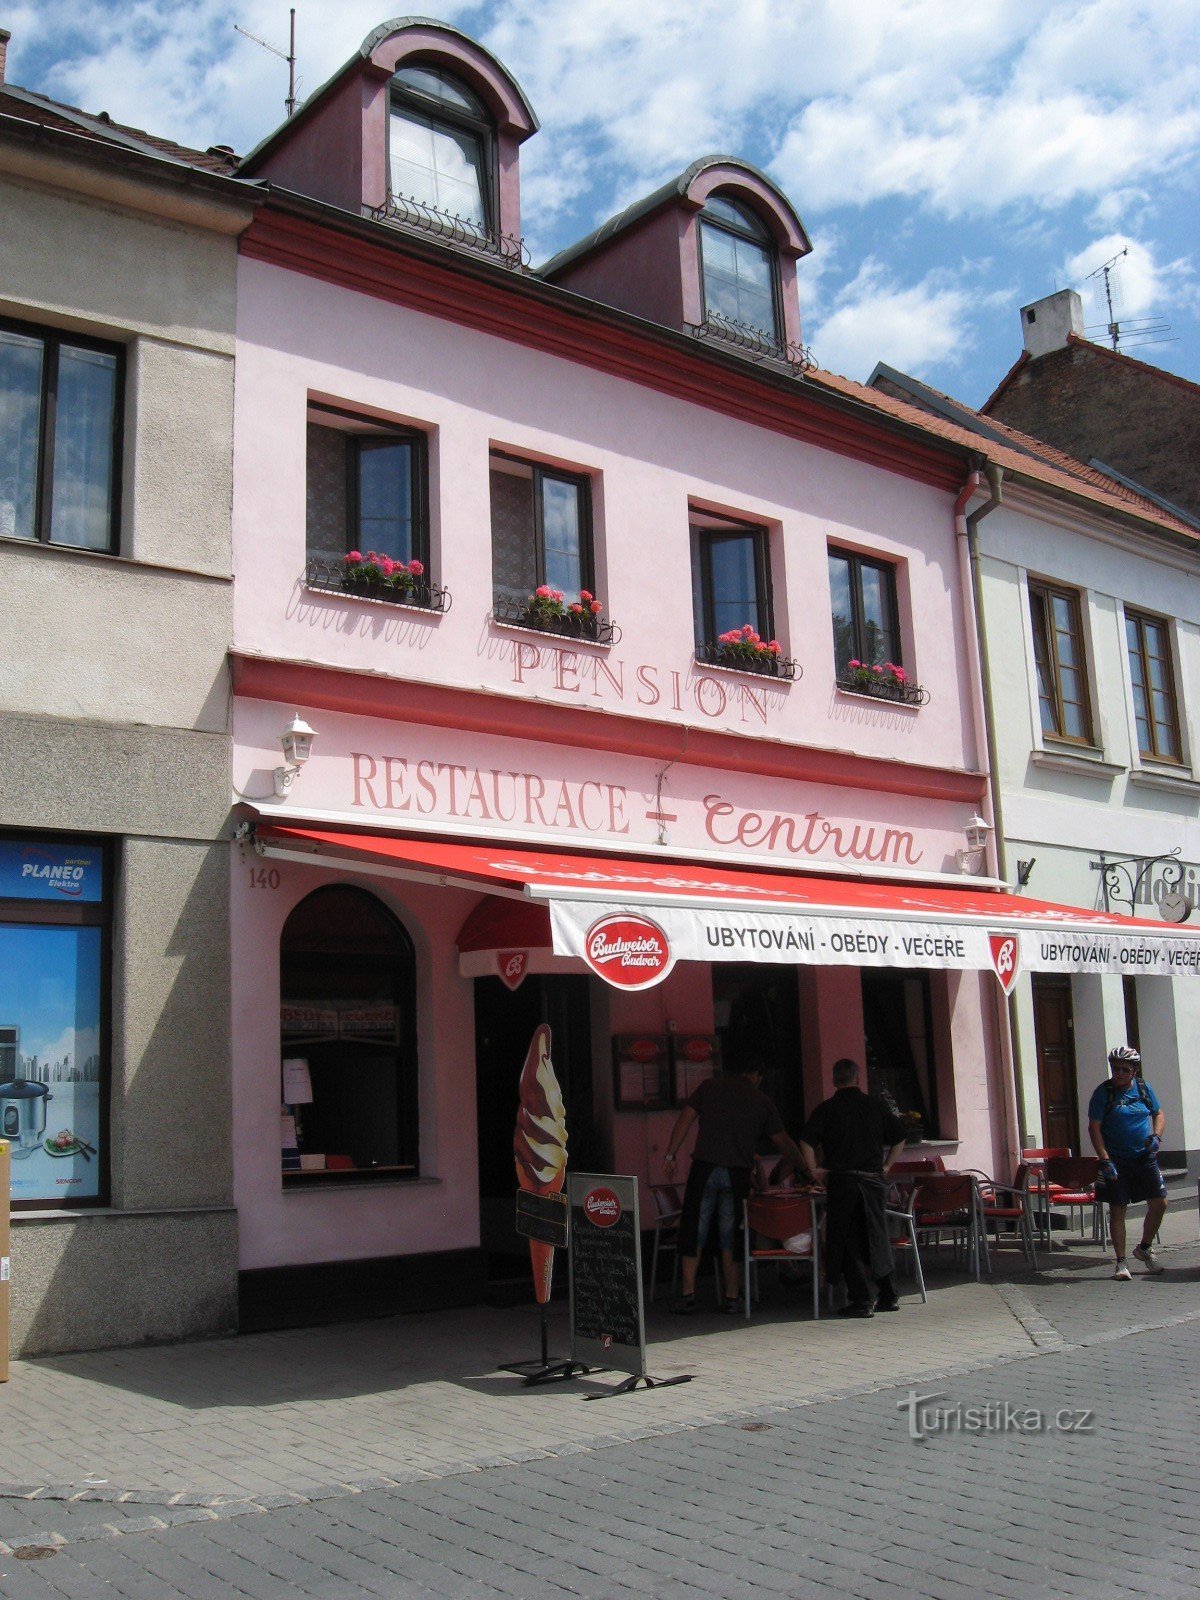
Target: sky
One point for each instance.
(952, 160)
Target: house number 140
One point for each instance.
(264, 878)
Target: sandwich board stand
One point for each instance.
(608, 1327)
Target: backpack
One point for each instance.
(1113, 1094)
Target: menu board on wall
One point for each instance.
(696, 1057)
(641, 1072)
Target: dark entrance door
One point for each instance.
(504, 1024)
(757, 1013)
(1054, 1033)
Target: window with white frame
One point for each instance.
(440, 145)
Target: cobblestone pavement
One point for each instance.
(831, 1498)
(784, 1466)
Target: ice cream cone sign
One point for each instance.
(540, 1145)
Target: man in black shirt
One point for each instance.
(736, 1119)
(853, 1130)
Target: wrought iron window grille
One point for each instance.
(902, 694)
(517, 614)
(753, 342)
(764, 664)
(336, 578)
(403, 211)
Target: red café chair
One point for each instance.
(1009, 1204)
(1071, 1181)
(1035, 1160)
(949, 1202)
(774, 1218)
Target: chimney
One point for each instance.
(1046, 323)
(5, 36)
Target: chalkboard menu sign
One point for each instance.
(607, 1326)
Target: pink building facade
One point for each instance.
(400, 388)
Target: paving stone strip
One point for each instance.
(174, 1507)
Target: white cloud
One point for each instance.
(915, 327)
(1142, 286)
(962, 107)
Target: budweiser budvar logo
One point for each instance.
(512, 966)
(1006, 958)
(644, 1050)
(628, 951)
(602, 1207)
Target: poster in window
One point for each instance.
(50, 1060)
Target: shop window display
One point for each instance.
(54, 922)
(348, 1041)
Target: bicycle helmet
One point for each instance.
(1125, 1052)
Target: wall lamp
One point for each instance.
(976, 834)
(296, 740)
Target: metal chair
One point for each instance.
(1008, 1204)
(1071, 1181)
(949, 1202)
(776, 1217)
(904, 1237)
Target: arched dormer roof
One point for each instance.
(381, 52)
(392, 43)
(690, 190)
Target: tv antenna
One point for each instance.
(1133, 330)
(289, 57)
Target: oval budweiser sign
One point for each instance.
(602, 1207)
(628, 951)
(643, 1050)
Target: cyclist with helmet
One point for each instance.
(1126, 1125)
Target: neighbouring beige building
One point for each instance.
(117, 295)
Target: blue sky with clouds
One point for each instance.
(951, 159)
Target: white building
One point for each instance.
(1092, 624)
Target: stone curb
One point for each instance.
(180, 1506)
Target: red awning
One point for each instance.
(729, 913)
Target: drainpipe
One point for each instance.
(966, 529)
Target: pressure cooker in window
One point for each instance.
(23, 1114)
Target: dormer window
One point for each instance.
(738, 267)
(440, 145)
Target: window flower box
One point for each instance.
(547, 611)
(376, 577)
(882, 680)
(743, 650)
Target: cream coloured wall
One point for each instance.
(114, 693)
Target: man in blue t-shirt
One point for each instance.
(1126, 1125)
